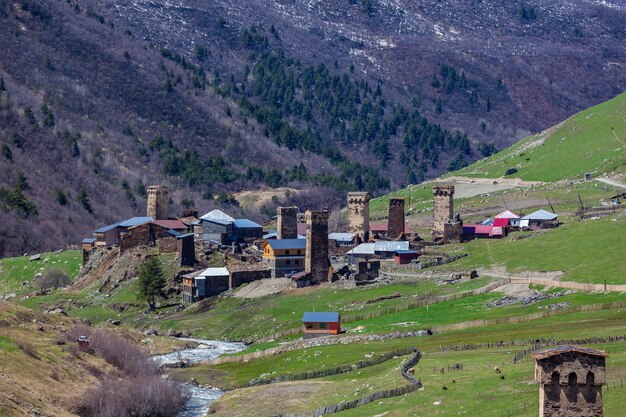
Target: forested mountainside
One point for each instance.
(100, 98)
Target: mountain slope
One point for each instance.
(593, 140)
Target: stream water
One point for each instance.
(201, 398)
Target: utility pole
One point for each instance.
(505, 207)
(582, 207)
(552, 208)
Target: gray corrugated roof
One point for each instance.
(217, 215)
(321, 317)
(362, 249)
(341, 237)
(390, 246)
(136, 221)
(214, 272)
(540, 215)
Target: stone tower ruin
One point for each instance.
(287, 223)
(359, 214)
(395, 222)
(445, 227)
(316, 262)
(158, 202)
(571, 380)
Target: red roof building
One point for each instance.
(173, 224)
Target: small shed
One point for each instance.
(539, 218)
(320, 324)
(404, 256)
(507, 218)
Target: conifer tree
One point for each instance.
(151, 282)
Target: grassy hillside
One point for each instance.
(591, 251)
(593, 140)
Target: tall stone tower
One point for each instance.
(395, 219)
(158, 202)
(316, 260)
(445, 227)
(359, 214)
(287, 223)
(571, 380)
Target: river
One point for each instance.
(201, 398)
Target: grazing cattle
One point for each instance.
(410, 371)
(445, 388)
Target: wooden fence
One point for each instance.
(568, 284)
(414, 385)
(417, 303)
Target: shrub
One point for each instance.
(145, 396)
(52, 278)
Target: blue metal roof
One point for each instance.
(173, 232)
(287, 243)
(136, 221)
(105, 229)
(322, 317)
(89, 240)
(247, 224)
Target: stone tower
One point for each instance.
(395, 220)
(316, 261)
(445, 227)
(287, 223)
(571, 380)
(359, 214)
(158, 202)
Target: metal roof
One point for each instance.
(507, 214)
(362, 249)
(214, 272)
(217, 215)
(173, 232)
(247, 224)
(543, 354)
(390, 246)
(487, 222)
(405, 252)
(287, 243)
(270, 235)
(184, 236)
(105, 229)
(322, 317)
(540, 215)
(341, 237)
(501, 221)
(171, 224)
(89, 240)
(136, 221)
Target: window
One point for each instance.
(299, 252)
(296, 261)
(288, 262)
(322, 325)
(309, 325)
(287, 252)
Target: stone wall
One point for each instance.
(158, 202)
(359, 214)
(142, 235)
(395, 222)
(238, 278)
(167, 244)
(316, 259)
(287, 222)
(186, 247)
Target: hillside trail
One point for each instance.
(613, 182)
